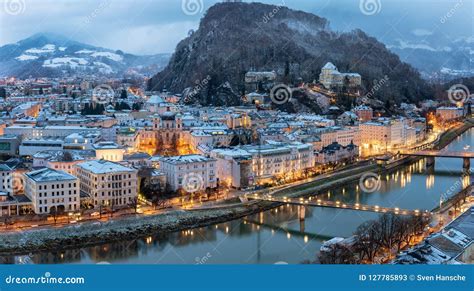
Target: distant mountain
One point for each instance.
(49, 55)
(445, 62)
(234, 38)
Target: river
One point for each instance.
(277, 235)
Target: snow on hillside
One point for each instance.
(26, 58)
(104, 68)
(65, 61)
(49, 48)
(84, 52)
(109, 55)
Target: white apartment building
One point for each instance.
(108, 183)
(109, 151)
(374, 135)
(29, 131)
(210, 138)
(330, 77)
(385, 134)
(6, 175)
(196, 169)
(62, 160)
(29, 147)
(449, 113)
(342, 135)
(277, 159)
(234, 167)
(81, 140)
(52, 191)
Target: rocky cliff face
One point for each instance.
(234, 38)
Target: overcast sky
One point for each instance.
(156, 26)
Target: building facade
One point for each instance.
(107, 183)
(52, 191)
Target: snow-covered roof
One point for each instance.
(186, 159)
(104, 167)
(49, 175)
(106, 145)
(329, 66)
(155, 99)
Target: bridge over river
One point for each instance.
(315, 202)
(432, 154)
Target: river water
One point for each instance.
(278, 236)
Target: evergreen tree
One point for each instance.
(124, 94)
(86, 109)
(124, 106)
(136, 106)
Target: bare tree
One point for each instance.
(134, 204)
(388, 229)
(368, 239)
(6, 220)
(54, 213)
(402, 233)
(338, 254)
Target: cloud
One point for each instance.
(156, 26)
(421, 32)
